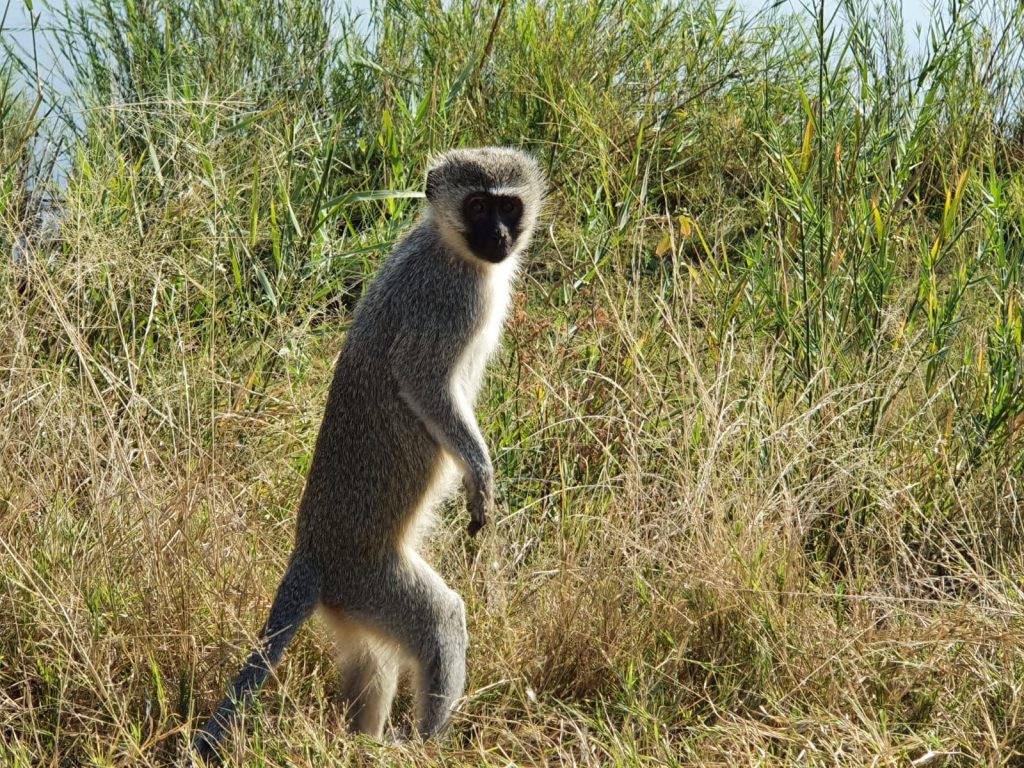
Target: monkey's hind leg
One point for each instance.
(428, 620)
(370, 667)
(296, 597)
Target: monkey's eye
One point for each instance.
(476, 206)
(509, 206)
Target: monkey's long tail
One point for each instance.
(296, 598)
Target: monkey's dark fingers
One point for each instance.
(477, 517)
(475, 524)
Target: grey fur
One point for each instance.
(398, 413)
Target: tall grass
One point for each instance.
(757, 418)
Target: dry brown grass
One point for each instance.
(658, 592)
(756, 420)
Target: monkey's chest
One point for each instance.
(469, 370)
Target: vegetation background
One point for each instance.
(758, 418)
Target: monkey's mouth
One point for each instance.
(493, 249)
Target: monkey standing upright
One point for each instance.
(397, 430)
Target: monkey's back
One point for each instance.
(376, 468)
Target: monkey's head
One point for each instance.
(485, 201)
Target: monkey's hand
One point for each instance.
(479, 498)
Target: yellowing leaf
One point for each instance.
(664, 245)
(805, 150)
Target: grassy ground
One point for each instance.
(758, 419)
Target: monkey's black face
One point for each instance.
(492, 224)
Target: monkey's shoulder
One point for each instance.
(428, 287)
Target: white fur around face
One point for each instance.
(452, 237)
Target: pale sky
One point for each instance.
(916, 13)
(16, 27)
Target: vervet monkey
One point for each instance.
(397, 431)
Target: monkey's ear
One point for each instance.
(432, 182)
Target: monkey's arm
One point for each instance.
(425, 385)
